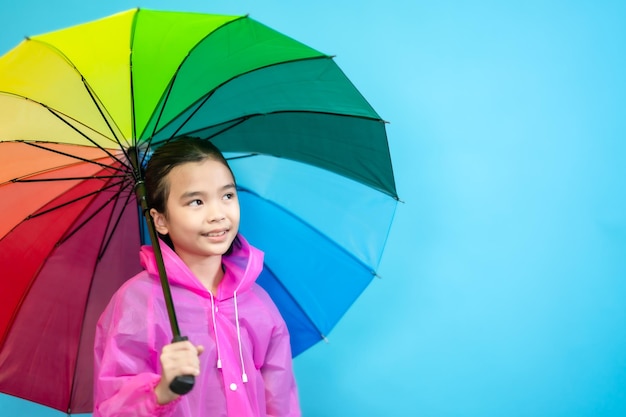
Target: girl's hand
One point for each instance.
(177, 359)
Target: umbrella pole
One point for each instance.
(181, 384)
(140, 191)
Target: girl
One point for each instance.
(240, 355)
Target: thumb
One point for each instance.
(199, 349)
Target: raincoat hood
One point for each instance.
(242, 267)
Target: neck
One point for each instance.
(208, 271)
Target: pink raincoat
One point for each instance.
(244, 336)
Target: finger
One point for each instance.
(187, 370)
(181, 357)
(180, 346)
(172, 367)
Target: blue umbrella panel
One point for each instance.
(323, 237)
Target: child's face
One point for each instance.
(202, 210)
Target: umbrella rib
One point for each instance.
(92, 94)
(32, 216)
(105, 246)
(132, 78)
(328, 113)
(238, 121)
(54, 112)
(208, 95)
(167, 95)
(249, 155)
(376, 185)
(182, 62)
(314, 229)
(6, 331)
(100, 252)
(293, 299)
(92, 177)
(229, 126)
(91, 216)
(78, 158)
(206, 98)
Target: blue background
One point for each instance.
(504, 279)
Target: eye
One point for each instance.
(229, 196)
(195, 203)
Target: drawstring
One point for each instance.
(244, 376)
(217, 343)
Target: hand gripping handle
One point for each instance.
(182, 384)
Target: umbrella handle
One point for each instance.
(182, 384)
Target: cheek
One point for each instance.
(235, 213)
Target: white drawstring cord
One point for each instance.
(244, 376)
(217, 343)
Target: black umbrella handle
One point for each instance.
(182, 384)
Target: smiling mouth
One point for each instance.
(216, 234)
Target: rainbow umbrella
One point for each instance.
(81, 110)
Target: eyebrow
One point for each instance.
(191, 194)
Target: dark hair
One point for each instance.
(176, 152)
(171, 154)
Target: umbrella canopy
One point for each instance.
(310, 156)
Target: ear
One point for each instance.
(160, 223)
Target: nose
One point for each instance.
(216, 219)
(214, 213)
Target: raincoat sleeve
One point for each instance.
(280, 385)
(126, 362)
